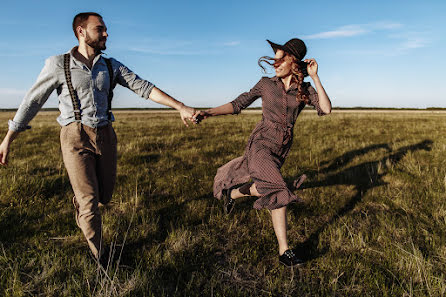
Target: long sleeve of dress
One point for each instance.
(314, 100)
(247, 98)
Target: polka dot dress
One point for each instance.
(268, 144)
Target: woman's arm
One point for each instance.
(216, 111)
(324, 101)
(235, 106)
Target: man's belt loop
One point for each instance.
(110, 91)
(66, 66)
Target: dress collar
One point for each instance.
(292, 87)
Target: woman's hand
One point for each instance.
(324, 101)
(200, 115)
(311, 67)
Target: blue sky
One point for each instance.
(204, 53)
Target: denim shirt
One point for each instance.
(92, 87)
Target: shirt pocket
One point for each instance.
(102, 81)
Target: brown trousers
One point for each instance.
(90, 157)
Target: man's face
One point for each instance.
(96, 33)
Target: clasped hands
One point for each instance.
(200, 115)
(195, 116)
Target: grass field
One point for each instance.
(374, 223)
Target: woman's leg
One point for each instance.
(278, 215)
(248, 189)
(280, 228)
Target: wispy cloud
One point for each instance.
(231, 43)
(385, 26)
(354, 30)
(181, 47)
(10, 91)
(24, 49)
(345, 31)
(171, 52)
(412, 40)
(394, 38)
(415, 43)
(395, 45)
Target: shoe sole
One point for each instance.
(226, 202)
(295, 265)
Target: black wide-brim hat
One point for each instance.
(295, 47)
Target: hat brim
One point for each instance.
(275, 46)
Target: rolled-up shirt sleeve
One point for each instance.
(314, 99)
(46, 83)
(247, 98)
(127, 78)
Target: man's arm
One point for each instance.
(45, 84)
(160, 97)
(127, 78)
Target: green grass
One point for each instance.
(374, 223)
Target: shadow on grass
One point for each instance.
(172, 215)
(363, 177)
(35, 209)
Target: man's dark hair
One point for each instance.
(81, 18)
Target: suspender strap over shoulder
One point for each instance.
(110, 91)
(74, 100)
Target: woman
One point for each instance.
(258, 170)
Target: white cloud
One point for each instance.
(173, 52)
(412, 40)
(415, 43)
(231, 43)
(354, 30)
(9, 91)
(181, 47)
(345, 31)
(11, 98)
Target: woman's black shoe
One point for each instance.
(288, 258)
(228, 202)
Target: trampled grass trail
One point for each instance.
(374, 223)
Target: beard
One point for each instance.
(98, 44)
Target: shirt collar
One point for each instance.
(79, 62)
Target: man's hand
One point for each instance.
(160, 97)
(4, 146)
(187, 113)
(4, 151)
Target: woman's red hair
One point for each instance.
(297, 75)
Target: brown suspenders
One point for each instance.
(110, 91)
(66, 67)
(74, 99)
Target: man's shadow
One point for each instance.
(363, 177)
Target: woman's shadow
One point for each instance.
(363, 177)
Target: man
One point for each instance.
(88, 142)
